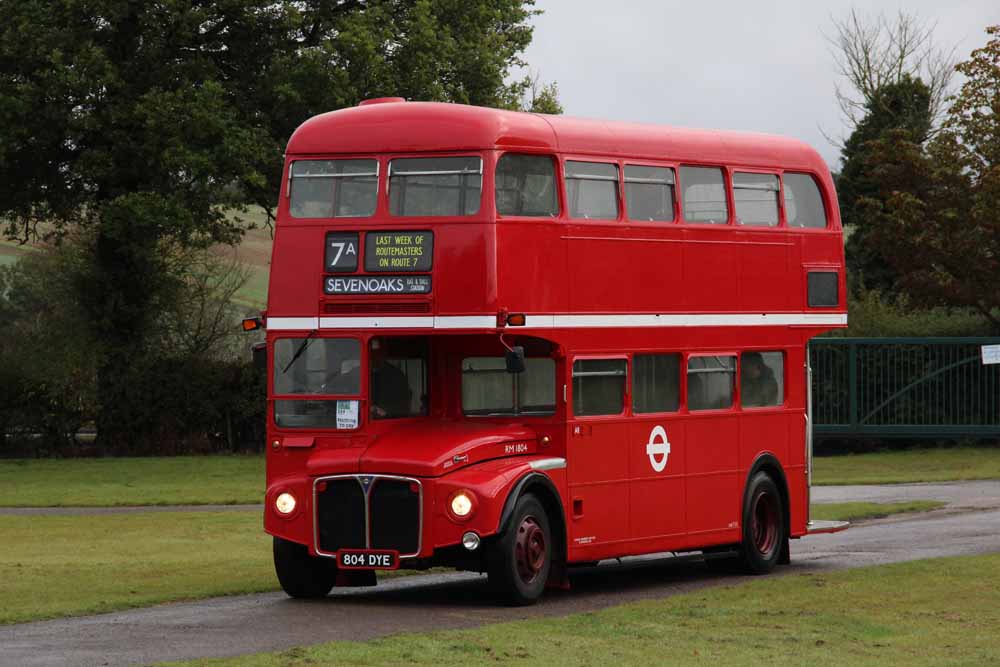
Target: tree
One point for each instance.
(937, 215)
(151, 123)
(902, 106)
(537, 97)
(873, 52)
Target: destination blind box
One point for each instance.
(377, 285)
(385, 252)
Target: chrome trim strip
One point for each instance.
(368, 523)
(554, 463)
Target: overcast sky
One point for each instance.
(758, 66)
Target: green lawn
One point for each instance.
(858, 511)
(115, 561)
(916, 465)
(69, 565)
(181, 480)
(930, 612)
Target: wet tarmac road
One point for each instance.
(248, 624)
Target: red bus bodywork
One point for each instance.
(608, 289)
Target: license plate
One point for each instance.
(367, 559)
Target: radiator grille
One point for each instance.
(391, 506)
(395, 516)
(340, 515)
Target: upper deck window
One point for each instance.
(703, 195)
(333, 188)
(649, 193)
(756, 197)
(526, 185)
(803, 203)
(592, 190)
(435, 186)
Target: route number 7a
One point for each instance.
(341, 252)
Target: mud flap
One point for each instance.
(558, 577)
(786, 554)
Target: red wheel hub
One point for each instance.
(529, 550)
(764, 522)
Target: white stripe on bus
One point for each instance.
(560, 321)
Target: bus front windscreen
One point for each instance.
(313, 367)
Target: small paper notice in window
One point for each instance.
(991, 354)
(347, 414)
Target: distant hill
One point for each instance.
(255, 252)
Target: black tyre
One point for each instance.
(764, 529)
(302, 575)
(519, 562)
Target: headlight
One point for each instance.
(285, 503)
(461, 504)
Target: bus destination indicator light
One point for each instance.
(377, 285)
(395, 252)
(341, 252)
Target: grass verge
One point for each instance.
(932, 612)
(916, 465)
(180, 480)
(858, 511)
(53, 566)
(70, 565)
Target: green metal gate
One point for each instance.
(913, 387)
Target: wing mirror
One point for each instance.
(515, 359)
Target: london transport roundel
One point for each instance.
(658, 448)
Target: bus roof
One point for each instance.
(403, 127)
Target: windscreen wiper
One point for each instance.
(298, 352)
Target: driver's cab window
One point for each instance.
(397, 380)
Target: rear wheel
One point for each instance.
(302, 575)
(519, 562)
(764, 531)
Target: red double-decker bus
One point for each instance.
(511, 343)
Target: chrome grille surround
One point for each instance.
(373, 479)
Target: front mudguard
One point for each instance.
(496, 485)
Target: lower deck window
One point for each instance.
(488, 389)
(656, 383)
(762, 379)
(711, 380)
(599, 386)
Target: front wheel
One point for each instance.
(302, 575)
(764, 530)
(519, 562)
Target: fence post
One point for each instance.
(852, 383)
